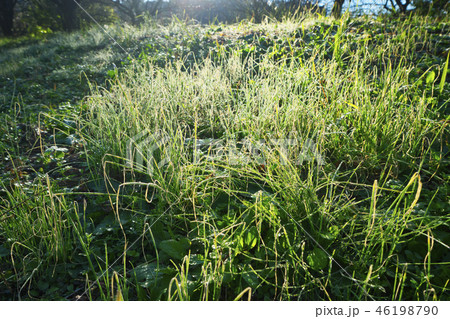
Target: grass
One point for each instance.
(296, 160)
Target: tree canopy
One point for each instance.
(26, 16)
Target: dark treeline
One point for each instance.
(18, 17)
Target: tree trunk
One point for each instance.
(7, 16)
(67, 10)
(337, 8)
(402, 7)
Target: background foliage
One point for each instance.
(18, 17)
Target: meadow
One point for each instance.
(306, 159)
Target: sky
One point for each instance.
(366, 5)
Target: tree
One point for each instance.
(256, 9)
(398, 3)
(337, 8)
(204, 10)
(403, 6)
(66, 10)
(133, 9)
(289, 7)
(432, 7)
(69, 12)
(7, 16)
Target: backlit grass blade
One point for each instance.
(444, 75)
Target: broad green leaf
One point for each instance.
(107, 224)
(327, 236)
(196, 260)
(430, 77)
(4, 252)
(317, 259)
(334, 230)
(146, 272)
(43, 285)
(250, 277)
(251, 237)
(248, 238)
(56, 149)
(148, 275)
(176, 249)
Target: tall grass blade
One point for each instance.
(444, 75)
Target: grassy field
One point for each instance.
(299, 160)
